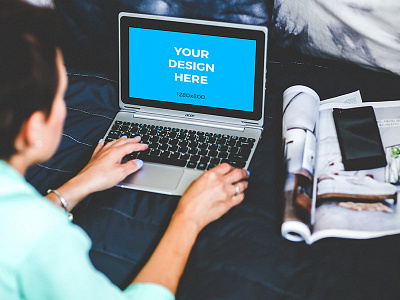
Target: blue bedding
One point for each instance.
(242, 255)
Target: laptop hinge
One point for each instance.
(208, 123)
(252, 126)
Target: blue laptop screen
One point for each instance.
(192, 69)
(196, 66)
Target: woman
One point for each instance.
(42, 254)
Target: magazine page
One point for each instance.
(300, 113)
(365, 205)
(301, 107)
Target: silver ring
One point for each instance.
(237, 189)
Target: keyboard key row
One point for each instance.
(204, 163)
(195, 142)
(179, 133)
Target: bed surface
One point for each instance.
(242, 255)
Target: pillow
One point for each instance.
(366, 32)
(41, 2)
(92, 25)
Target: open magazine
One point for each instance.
(321, 198)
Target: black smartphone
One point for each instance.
(359, 138)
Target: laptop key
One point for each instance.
(194, 158)
(171, 134)
(154, 152)
(173, 148)
(201, 166)
(162, 160)
(210, 166)
(164, 153)
(162, 146)
(192, 151)
(203, 152)
(237, 164)
(191, 164)
(173, 142)
(215, 161)
(223, 148)
(113, 134)
(183, 149)
(109, 140)
(164, 140)
(204, 159)
(223, 155)
(175, 162)
(174, 154)
(184, 156)
(245, 144)
(213, 153)
(237, 157)
(124, 128)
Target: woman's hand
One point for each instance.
(207, 198)
(212, 195)
(103, 171)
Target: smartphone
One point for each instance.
(359, 138)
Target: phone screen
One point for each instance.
(359, 138)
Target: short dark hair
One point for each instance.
(29, 39)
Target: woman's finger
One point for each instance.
(99, 146)
(222, 169)
(125, 146)
(237, 175)
(238, 188)
(132, 166)
(129, 147)
(123, 140)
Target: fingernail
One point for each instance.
(137, 136)
(139, 163)
(123, 137)
(248, 172)
(100, 140)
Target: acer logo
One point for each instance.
(189, 115)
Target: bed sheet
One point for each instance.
(242, 255)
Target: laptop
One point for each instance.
(194, 91)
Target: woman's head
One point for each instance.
(30, 69)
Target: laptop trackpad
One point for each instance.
(155, 175)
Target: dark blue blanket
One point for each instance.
(242, 255)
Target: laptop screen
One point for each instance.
(192, 67)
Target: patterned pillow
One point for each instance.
(366, 32)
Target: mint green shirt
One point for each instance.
(45, 256)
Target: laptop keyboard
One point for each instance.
(185, 148)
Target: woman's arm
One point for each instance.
(103, 171)
(207, 199)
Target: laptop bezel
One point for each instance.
(258, 33)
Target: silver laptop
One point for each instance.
(194, 91)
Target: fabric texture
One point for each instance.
(44, 256)
(242, 255)
(363, 32)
